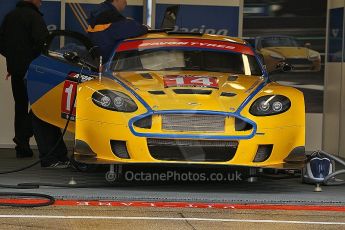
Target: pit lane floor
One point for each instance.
(268, 191)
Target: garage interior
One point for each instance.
(325, 121)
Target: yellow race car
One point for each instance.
(169, 97)
(276, 50)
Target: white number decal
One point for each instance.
(179, 81)
(69, 91)
(202, 80)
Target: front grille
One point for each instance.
(192, 150)
(193, 122)
(298, 61)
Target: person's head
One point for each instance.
(37, 3)
(120, 5)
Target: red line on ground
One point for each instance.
(180, 205)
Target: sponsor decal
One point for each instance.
(203, 29)
(190, 81)
(69, 94)
(185, 43)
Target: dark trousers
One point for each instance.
(22, 119)
(48, 137)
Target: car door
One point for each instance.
(68, 58)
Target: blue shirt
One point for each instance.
(107, 27)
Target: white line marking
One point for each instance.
(170, 219)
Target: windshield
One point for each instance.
(179, 55)
(279, 42)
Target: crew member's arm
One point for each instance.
(128, 28)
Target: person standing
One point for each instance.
(107, 26)
(22, 35)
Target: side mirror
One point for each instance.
(71, 56)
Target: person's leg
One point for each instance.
(47, 137)
(22, 120)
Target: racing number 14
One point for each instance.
(68, 99)
(190, 81)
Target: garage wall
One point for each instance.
(334, 93)
(6, 108)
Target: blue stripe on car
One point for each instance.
(151, 112)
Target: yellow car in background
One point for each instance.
(276, 50)
(169, 98)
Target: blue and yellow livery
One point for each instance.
(169, 98)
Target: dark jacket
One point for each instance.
(22, 36)
(107, 27)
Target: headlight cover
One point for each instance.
(114, 100)
(313, 55)
(277, 56)
(270, 105)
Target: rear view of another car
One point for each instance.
(277, 50)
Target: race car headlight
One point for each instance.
(270, 105)
(114, 100)
(277, 56)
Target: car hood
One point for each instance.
(290, 52)
(229, 94)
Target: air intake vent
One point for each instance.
(241, 125)
(146, 75)
(192, 150)
(119, 149)
(193, 91)
(156, 92)
(232, 78)
(227, 94)
(263, 153)
(145, 123)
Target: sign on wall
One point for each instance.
(214, 17)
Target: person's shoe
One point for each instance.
(23, 152)
(57, 165)
(22, 148)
